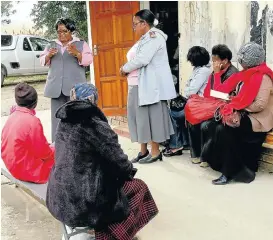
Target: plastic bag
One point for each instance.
(199, 109)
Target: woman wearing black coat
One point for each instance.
(92, 183)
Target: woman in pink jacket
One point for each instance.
(25, 151)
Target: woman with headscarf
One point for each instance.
(150, 86)
(67, 58)
(246, 118)
(92, 183)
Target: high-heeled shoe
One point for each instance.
(140, 156)
(150, 159)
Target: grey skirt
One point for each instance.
(148, 123)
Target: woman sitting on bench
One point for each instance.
(92, 183)
(25, 150)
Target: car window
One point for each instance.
(38, 44)
(26, 45)
(6, 40)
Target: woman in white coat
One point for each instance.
(150, 86)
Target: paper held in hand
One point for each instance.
(218, 94)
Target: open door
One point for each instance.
(112, 37)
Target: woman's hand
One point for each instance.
(72, 50)
(52, 52)
(122, 73)
(217, 67)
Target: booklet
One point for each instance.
(218, 94)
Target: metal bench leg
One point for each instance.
(65, 232)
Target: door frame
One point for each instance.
(95, 75)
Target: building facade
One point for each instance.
(203, 23)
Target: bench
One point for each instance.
(38, 191)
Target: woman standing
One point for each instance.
(66, 58)
(150, 86)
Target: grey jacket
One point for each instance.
(198, 81)
(64, 72)
(155, 77)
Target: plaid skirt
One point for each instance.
(142, 210)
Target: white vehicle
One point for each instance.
(20, 55)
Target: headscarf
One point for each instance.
(84, 91)
(251, 55)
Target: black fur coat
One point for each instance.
(85, 185)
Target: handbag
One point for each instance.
(233, 120)
(199, 109)
(178, 104)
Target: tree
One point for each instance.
(45, 14)
(6, 11)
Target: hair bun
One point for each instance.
(155, 22)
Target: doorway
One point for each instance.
(167, 14)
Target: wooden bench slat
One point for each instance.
(38, 190)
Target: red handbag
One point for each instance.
(199, 109)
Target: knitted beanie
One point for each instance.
(25, 95)
(251, 55)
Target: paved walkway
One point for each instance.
(191, 208)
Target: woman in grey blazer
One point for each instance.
(66, 57)
(150, 86)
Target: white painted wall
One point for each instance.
(144, 5)
(269, 41)
(207, 23)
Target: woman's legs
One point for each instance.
(195, 141)
(236, 151)
(143, 148)
(176, 140)
(55, 104)
(155, 149)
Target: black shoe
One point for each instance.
(150, 159)
(223, 180)
(140, 156)
(169, 153)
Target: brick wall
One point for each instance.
(118, 121)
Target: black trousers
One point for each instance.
(198, 137)
(230, 150)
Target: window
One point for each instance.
(38, 44)
(26, 45)
(6, 40)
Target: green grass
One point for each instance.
(28, 79)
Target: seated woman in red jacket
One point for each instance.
(25, 150)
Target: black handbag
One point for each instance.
(178, 104)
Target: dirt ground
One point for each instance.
(7, 98)
(23, 218)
